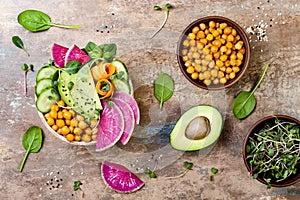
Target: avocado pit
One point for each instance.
(198, 128)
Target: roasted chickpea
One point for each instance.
(82, 124)
(55, 107)
(53, 114)
(86, 138)
(77, 131)
(50, 121)
(61, 103)
(60, 123)
(65, 130)
(70, 137)
(195, 29)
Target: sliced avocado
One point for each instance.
(64, 82)
(197, 128)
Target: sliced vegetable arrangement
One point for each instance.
(85, 95)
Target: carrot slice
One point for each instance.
(105, 88)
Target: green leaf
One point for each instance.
(271, 152)
(243, 105)
(188, 165)
(245, 102)
(163, 88)
(76, 185)
(214, 170)
(32, 142)
(72, 67)
(35, 21)
(17, 41)
(157, 8)
(152, 175)
(93, 50)
(168, 5)
(109, 51)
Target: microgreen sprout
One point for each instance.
(151, 173)
(19, 43)
(273, 152)
(76, 187)
(188, 166)
(26, 69)
(166, 9)
(213, 171)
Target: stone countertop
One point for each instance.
(129, 24)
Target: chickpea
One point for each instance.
(228, 70)
(61, 103)
(71, 129)
(197, 61)
(212, 24)
(214, 49)
(229, 45)
(192, 36)
(74, 122)
(196, 55)
(227, 30)
(208, 57)
(50, 121)
(238, 62)
(59, 131)
(240, 56)
(233, 57)
(215, 33)
(206, 50)
(67, 115)
(217, 55)
(184, 52)
(242, 50)
(190, 70)
(82, 124)
(53, 114)
(65, 130)
(235, 69)
(204, 68)
(186, 43)
(197, 68)
(200, 35)
(55, 127)
(217, 43)
(204, 41)
(55, 107)
(77, 131)
(223, 57)
(219, 63)
(86, 138)
(209, 37)
(233, 62)
(194, 75)
(94, 137)
(202, 26)
(214, 73)
(77, 138)
(185, 58)
(201, 77)
(206, 75)
(70, 137)
(239, 45)
(47, 115)
(223, 69)
(59, 114)
(223, 80)
(72, 112)
(232, 75)
(206, 31)
(228, 52)
(79, 118)
(207, 82)
(233, 32)
(88, 131)
(221, 74)
(60, 123)
(211, 64)
(227, 63)
(68, 122)
(192, 43)
(216, 81)
(223, 41)
(195, 29)
(223, 25)
(200, 45)
(223, 49)
(94, 123)
(230, 38)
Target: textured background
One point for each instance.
(129, 24)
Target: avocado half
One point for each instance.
(198, 128)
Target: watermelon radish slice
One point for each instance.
(75, 53)
(128, 119)
(110, 128)
(119, 178)
(59, 54)
(131, 101)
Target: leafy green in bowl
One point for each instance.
(271, 151)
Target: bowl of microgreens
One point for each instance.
(271, 151)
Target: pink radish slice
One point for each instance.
(131, 101)
(59, 54)
(75, 53)
(110, 128)
(119, 178)
(128, 119)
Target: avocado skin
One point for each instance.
(178, 138)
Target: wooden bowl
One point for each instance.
(256, 127)
(206, 20)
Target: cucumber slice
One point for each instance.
(47, 72)
(121, 67)
(43, 84)
(47, 98)
(122, 86)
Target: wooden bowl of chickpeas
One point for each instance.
(213, 52)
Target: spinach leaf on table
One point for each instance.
(35, 21)
(245, 102)
(163, 88)
(19, 43)
(32, 142)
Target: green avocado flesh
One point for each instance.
(78, 91)
(197, 128)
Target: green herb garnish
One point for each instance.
(166, 8)
(32, 142)
(245, 102)
(26, 69)
(273, 151)
(19, 43)
(150, 173)
(213, 171)
(35, 21)
(76, 187)
(188, 166)
(163, 88)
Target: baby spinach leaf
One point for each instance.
(72, 67)
(163, 88)
(35, 21)
(93, 50)
(19, 43)
(245, 102)
(32, 142)
(109, 51)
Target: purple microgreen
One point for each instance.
(166, 9)
(26, 69)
